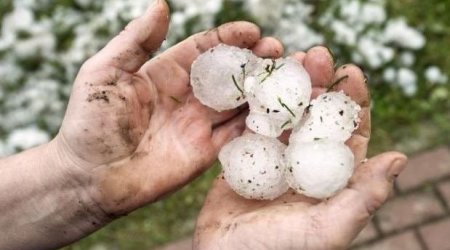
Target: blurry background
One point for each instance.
(402, 45)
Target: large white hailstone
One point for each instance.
(277, 93)
(253, 166)
(318, 169)
(217, 76)
(332, 115)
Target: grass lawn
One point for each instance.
(395, 126)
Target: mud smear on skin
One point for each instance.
(124, 130)
(98, 96)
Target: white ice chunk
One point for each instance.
(253, 166)
(217, 76)
(332, 116)
(277, 93)
(318, 169)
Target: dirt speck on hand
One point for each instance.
(98, 96)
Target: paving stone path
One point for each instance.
(417, 215)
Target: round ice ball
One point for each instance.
(217, 76)
(253, 166)
(318, 169)
(332, 116)
(278, 93)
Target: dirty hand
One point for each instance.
(293, 221)
(133, 131)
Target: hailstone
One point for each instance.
(332, 116)
(217, 76)
(318, 169)
(317, 163)
(253, 166)
(278, 92)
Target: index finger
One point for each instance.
(354, 85)
(239, 34)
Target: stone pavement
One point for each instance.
(417, 216)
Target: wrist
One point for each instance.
(77, 175)
(70, 188)
(43, 198)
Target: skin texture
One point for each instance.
(293, 221)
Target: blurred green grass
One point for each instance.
(395, 126)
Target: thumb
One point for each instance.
(369, 188)
(129, 50)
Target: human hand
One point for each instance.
(133, 131)
(293, 221)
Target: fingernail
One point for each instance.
(396, 168)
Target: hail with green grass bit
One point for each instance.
(316, 163)
(274, 94)
(332, 116)
(218, 75)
